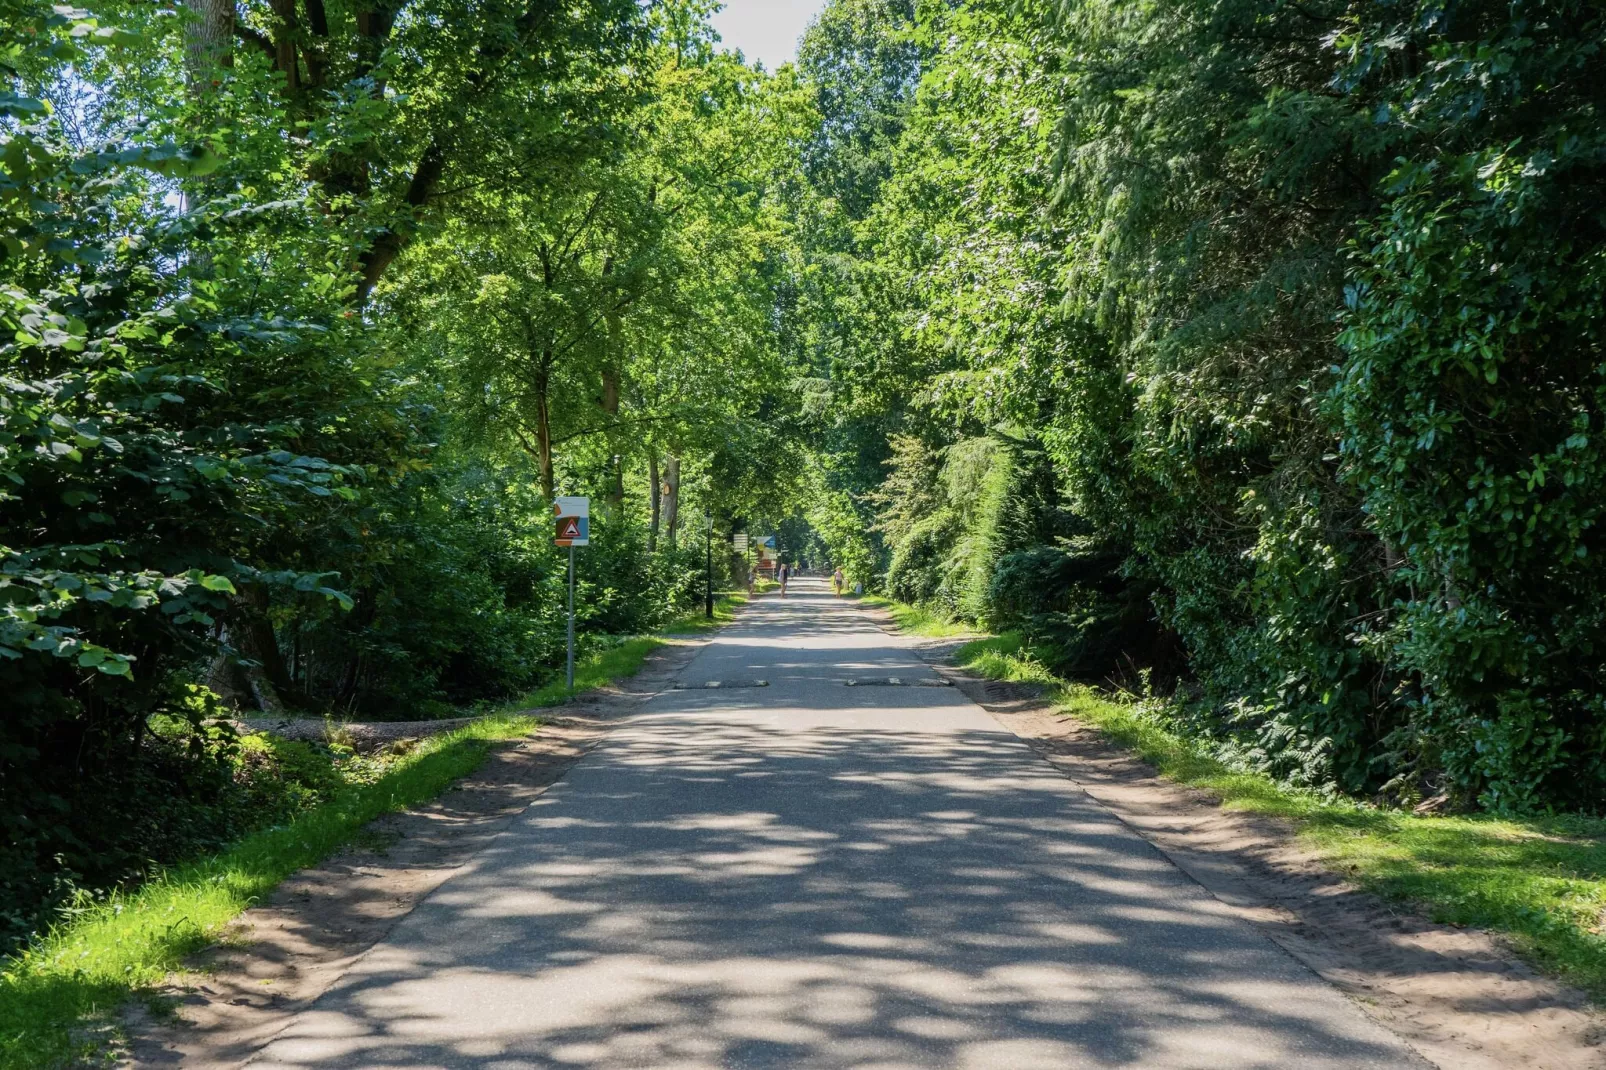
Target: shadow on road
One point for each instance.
(709, 891)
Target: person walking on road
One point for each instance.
(836, 581)
(786, 574)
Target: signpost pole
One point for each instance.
(571, 617)
(574, 529)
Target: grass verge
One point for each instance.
(57, 999)
(917, 620)
(627, 657)
(1541, 882)
(52, 995)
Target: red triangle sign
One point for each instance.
(569, 529)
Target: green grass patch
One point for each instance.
(917, 620)
(1539, 881)
(52, 993)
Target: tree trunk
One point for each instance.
(267, 680)
(610, 394)
(657, 500)
(208, 42)
(610, 408)
(284, 43)
(391, 241)
(543, 427)
(671, 498)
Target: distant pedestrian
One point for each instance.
(837, 581)
(786, 574)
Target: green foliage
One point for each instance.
(1300, 304)
(1470, 397)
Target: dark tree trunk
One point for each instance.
(393, 239)
(284, 43)
(268, 680)
(671, 498)
(610, 408)
(657, 500)
(543, 426)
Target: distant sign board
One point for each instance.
(739, 543)
(573, 521)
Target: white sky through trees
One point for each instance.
(765, 30)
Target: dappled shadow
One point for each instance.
(707, 890)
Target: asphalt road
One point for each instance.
(811, 874)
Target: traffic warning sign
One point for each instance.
(573, 521)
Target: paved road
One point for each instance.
(816, 875)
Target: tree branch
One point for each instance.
(392, 240)
(257, 40)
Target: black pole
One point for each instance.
(708, 600)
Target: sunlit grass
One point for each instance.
(1540, 881)
(88, 967)
(917, 620)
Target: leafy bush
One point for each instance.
(1077, 610)
(1472, 395)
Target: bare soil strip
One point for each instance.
(278, 957)
(1460, 997)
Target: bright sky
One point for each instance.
(765, 30)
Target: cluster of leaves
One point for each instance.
(1301, 301)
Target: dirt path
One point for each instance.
(1460, 997)
(278, 957)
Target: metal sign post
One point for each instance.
(573, 529)
(570, 617)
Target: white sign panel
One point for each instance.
(573, 521)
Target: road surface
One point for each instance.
(811, 874)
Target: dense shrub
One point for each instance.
(1304, 303)
(1074, 605)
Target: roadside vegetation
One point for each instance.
(114, 946)
(916, 620)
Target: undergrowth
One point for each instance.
(1541, 882)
